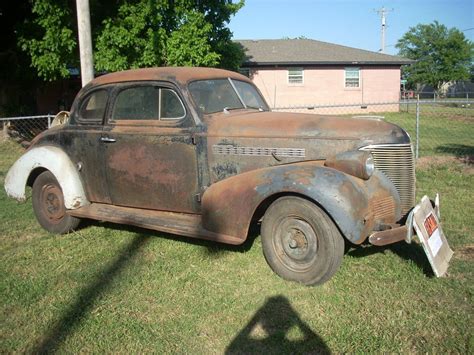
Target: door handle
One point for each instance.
(107, 140)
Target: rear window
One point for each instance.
(93, 107)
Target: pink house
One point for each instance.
(305, 73)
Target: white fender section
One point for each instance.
(58, 163)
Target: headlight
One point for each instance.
(356, 163)
(369, 165)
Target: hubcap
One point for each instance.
(295, 243)
(52, 201)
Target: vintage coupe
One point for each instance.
(197, 152)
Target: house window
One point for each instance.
(295, 76)
(245, 71)
(352, 78)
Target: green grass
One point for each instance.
(111, 288)
(443, 130)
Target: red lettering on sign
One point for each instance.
(430, 224)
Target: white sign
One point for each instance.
(430, 233)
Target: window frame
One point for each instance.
(288, 76)
(161, 88)
(359, 81)
(245, 72)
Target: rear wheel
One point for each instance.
(48, 205)
(300, 242)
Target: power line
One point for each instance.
(383, 12)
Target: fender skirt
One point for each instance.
(58, 163)
(229, 205)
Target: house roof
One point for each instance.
(308, 51)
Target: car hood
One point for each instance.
(362, 131)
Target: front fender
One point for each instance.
(229, 205)
(58, 163)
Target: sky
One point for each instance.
(351, 23)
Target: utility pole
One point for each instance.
(85, 41)
(382, 12)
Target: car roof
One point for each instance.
(180, 75)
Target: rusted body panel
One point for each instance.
(277, 125)
(240, 142)
(185, 224)
(229, 205)
(169, 183)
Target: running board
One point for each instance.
(185, 224)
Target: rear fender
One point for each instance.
(229, 205)
(58, 163)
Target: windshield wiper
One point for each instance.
(227, 109)
(260, 108)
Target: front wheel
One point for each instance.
(48, 205)
(300, 242)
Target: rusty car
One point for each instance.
(197, 152)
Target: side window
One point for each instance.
(171, 107)
(93, 107)
(147, 103)
(137, 103)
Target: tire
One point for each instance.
(300, 241)
(48, 205)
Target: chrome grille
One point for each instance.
(396, 161)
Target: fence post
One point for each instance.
(49, 121)
(417, 125)
(4, 130)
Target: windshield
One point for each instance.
(219, 95)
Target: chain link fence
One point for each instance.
(24, 129)
(436, 127)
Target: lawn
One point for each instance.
(111, 288)
(443, 129)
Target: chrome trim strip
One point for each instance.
(225, 149)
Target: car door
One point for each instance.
(150, 158)
(82, 142)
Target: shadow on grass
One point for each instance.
(87, 297)
(413, 252)
(458, 150)
(276, 328)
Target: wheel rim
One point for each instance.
(295, 243)
(52, 204)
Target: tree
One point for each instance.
(132, 34)
(442, 55)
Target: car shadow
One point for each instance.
(214, 249)
(87, 297)
(276, 328)
(410, 252)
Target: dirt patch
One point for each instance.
(461, 118)
(465, 253)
